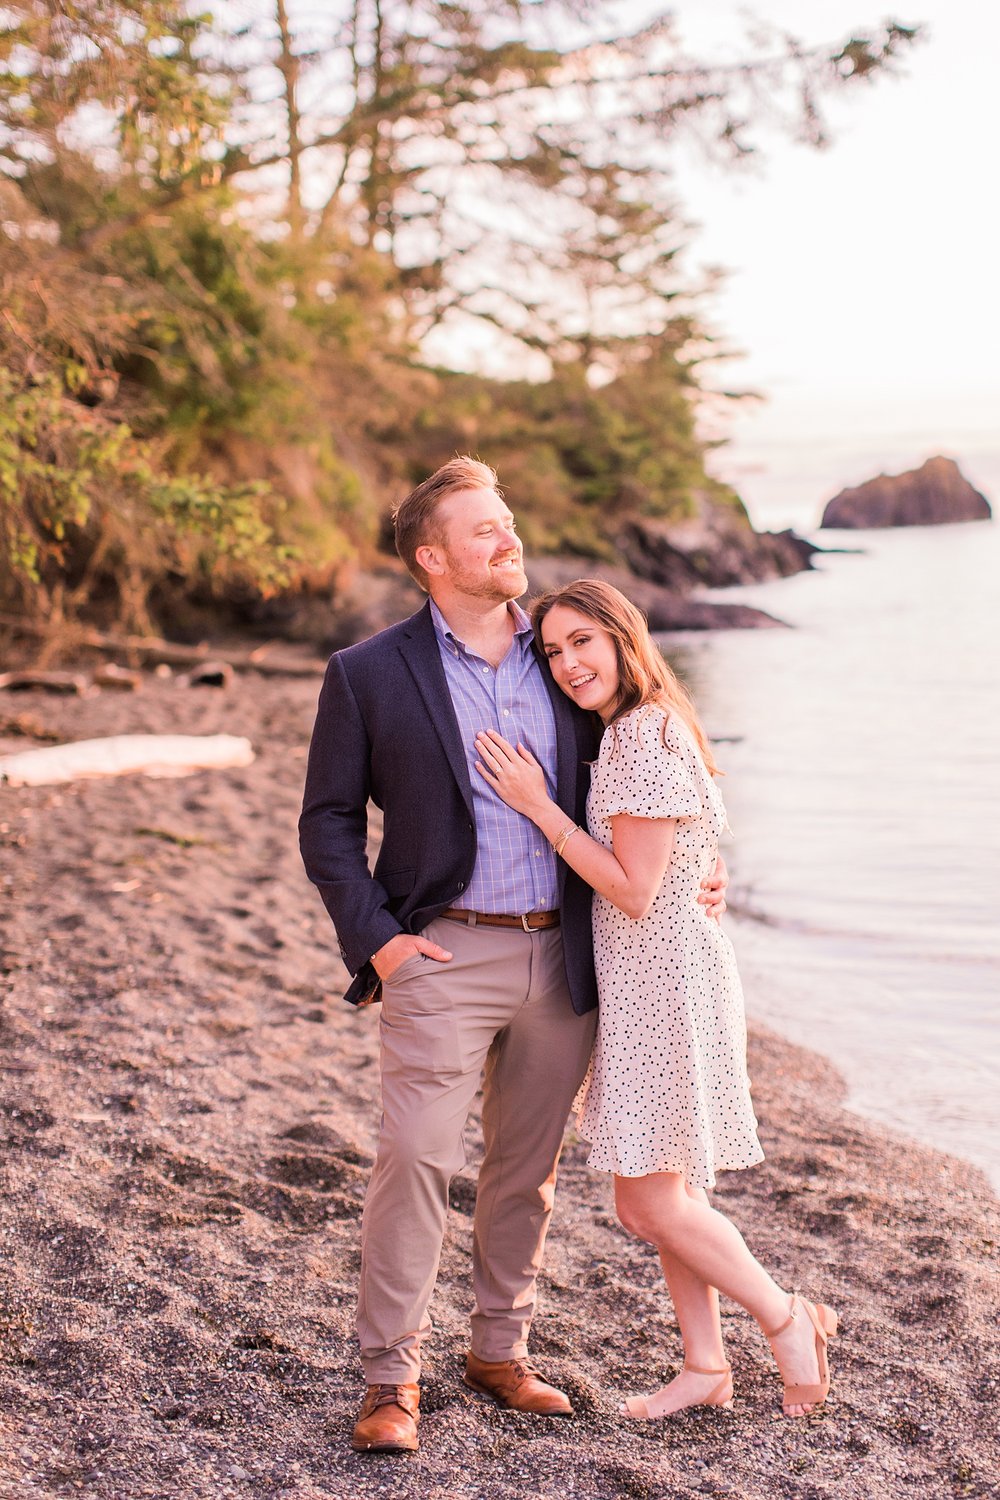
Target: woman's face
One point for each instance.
(582, 659)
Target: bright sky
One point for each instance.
(863, 280)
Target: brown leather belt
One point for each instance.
(532, 921)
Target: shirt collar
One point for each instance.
(447, 638)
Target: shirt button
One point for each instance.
(486, 670)
(506, 713)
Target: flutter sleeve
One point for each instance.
(649, 774)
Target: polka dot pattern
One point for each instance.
(667, 1089)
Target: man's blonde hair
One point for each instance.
(414, 518)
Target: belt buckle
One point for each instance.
(524, 921)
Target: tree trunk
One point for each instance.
(290, 69)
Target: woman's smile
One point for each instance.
(582, 659)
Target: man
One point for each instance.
(475, 936)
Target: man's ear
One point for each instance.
(431, 559)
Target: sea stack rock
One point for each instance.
(932, 495)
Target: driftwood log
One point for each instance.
(51, 682)
(126, 755)
(123, 679)
(155, 650)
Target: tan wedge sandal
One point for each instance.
(719, 1395)
(824, 1320)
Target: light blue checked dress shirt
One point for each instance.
(515, 864)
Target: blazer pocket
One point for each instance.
(396, 883)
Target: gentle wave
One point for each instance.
(806, 928)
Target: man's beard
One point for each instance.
(501, 584)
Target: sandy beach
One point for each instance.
(189, 1110)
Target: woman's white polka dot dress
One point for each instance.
(667, 1089)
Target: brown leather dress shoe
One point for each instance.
(516, 1384)
(387, 1421)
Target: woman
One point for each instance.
(667, 1100)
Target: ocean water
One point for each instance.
(862, 752)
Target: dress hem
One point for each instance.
(673, 1166)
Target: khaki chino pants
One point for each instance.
(500, 1011)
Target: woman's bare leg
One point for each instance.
(687, 1231)
(696, 1305)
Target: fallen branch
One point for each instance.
(156, 650)
(51, 682)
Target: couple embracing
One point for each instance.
(551, 828)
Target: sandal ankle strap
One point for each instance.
(793, 1312)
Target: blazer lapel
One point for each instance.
(422, 654)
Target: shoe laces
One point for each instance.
(387, 1395)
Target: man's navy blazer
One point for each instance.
(386, 731)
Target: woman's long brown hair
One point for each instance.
(643, 674)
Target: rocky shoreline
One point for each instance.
(665, 567)
(372, 600)
(189, 1111)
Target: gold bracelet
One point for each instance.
(560, 843)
